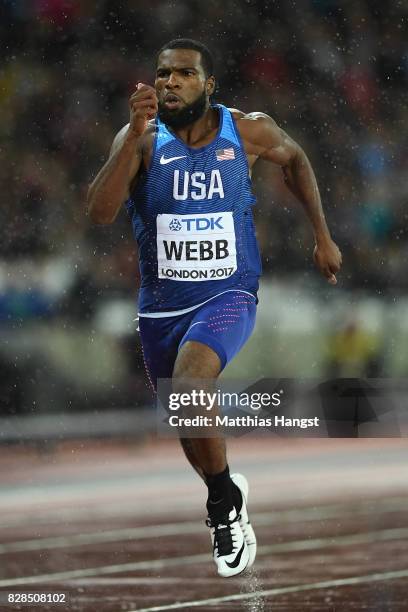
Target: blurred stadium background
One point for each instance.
(332, 73)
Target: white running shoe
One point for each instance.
(244, 521)
(230, 550)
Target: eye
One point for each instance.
(188, 72)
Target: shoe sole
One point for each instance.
(245, 523)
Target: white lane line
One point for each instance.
(43, 501)
(88, 513)
(281, 591)
(284, 547)
(259, 519)
(114, 535)
(122, 509)
(106, 570)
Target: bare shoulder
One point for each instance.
(237, 114)
(253, 116)
(257, 130)
(252, 124)
(263, 138)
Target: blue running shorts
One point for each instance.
(224, 323)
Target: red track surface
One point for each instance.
(121, 527)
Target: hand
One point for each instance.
(327, 258)
(143, 105)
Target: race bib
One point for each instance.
(196, 247)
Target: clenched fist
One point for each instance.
(327, 258)
(143, 107)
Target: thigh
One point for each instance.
(196, 360)
(160, 340)
(224, 324)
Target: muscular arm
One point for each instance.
(110, 188)
(265, 140)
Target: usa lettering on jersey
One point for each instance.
(197, 186)
(196, 247)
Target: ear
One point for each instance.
(210, 86)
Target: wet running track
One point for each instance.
(120, 527)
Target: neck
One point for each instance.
(191, 134)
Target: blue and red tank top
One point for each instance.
(191, 214)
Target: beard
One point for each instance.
(181, 118)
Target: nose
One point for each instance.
(172, 81)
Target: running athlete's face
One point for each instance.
(182, 87)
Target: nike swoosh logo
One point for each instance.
(217, 502)
(165, 161)
(237, 559)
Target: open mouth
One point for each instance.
(172, 101)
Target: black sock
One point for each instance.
(236, 497)
(223, 494)
(219, 502)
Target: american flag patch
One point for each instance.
(222, 154)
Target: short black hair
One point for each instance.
(207, 60)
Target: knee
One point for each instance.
(187, 377)
(196, 361)
(184, 380)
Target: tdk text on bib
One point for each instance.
(196, 247)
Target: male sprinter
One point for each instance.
(183, 166)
